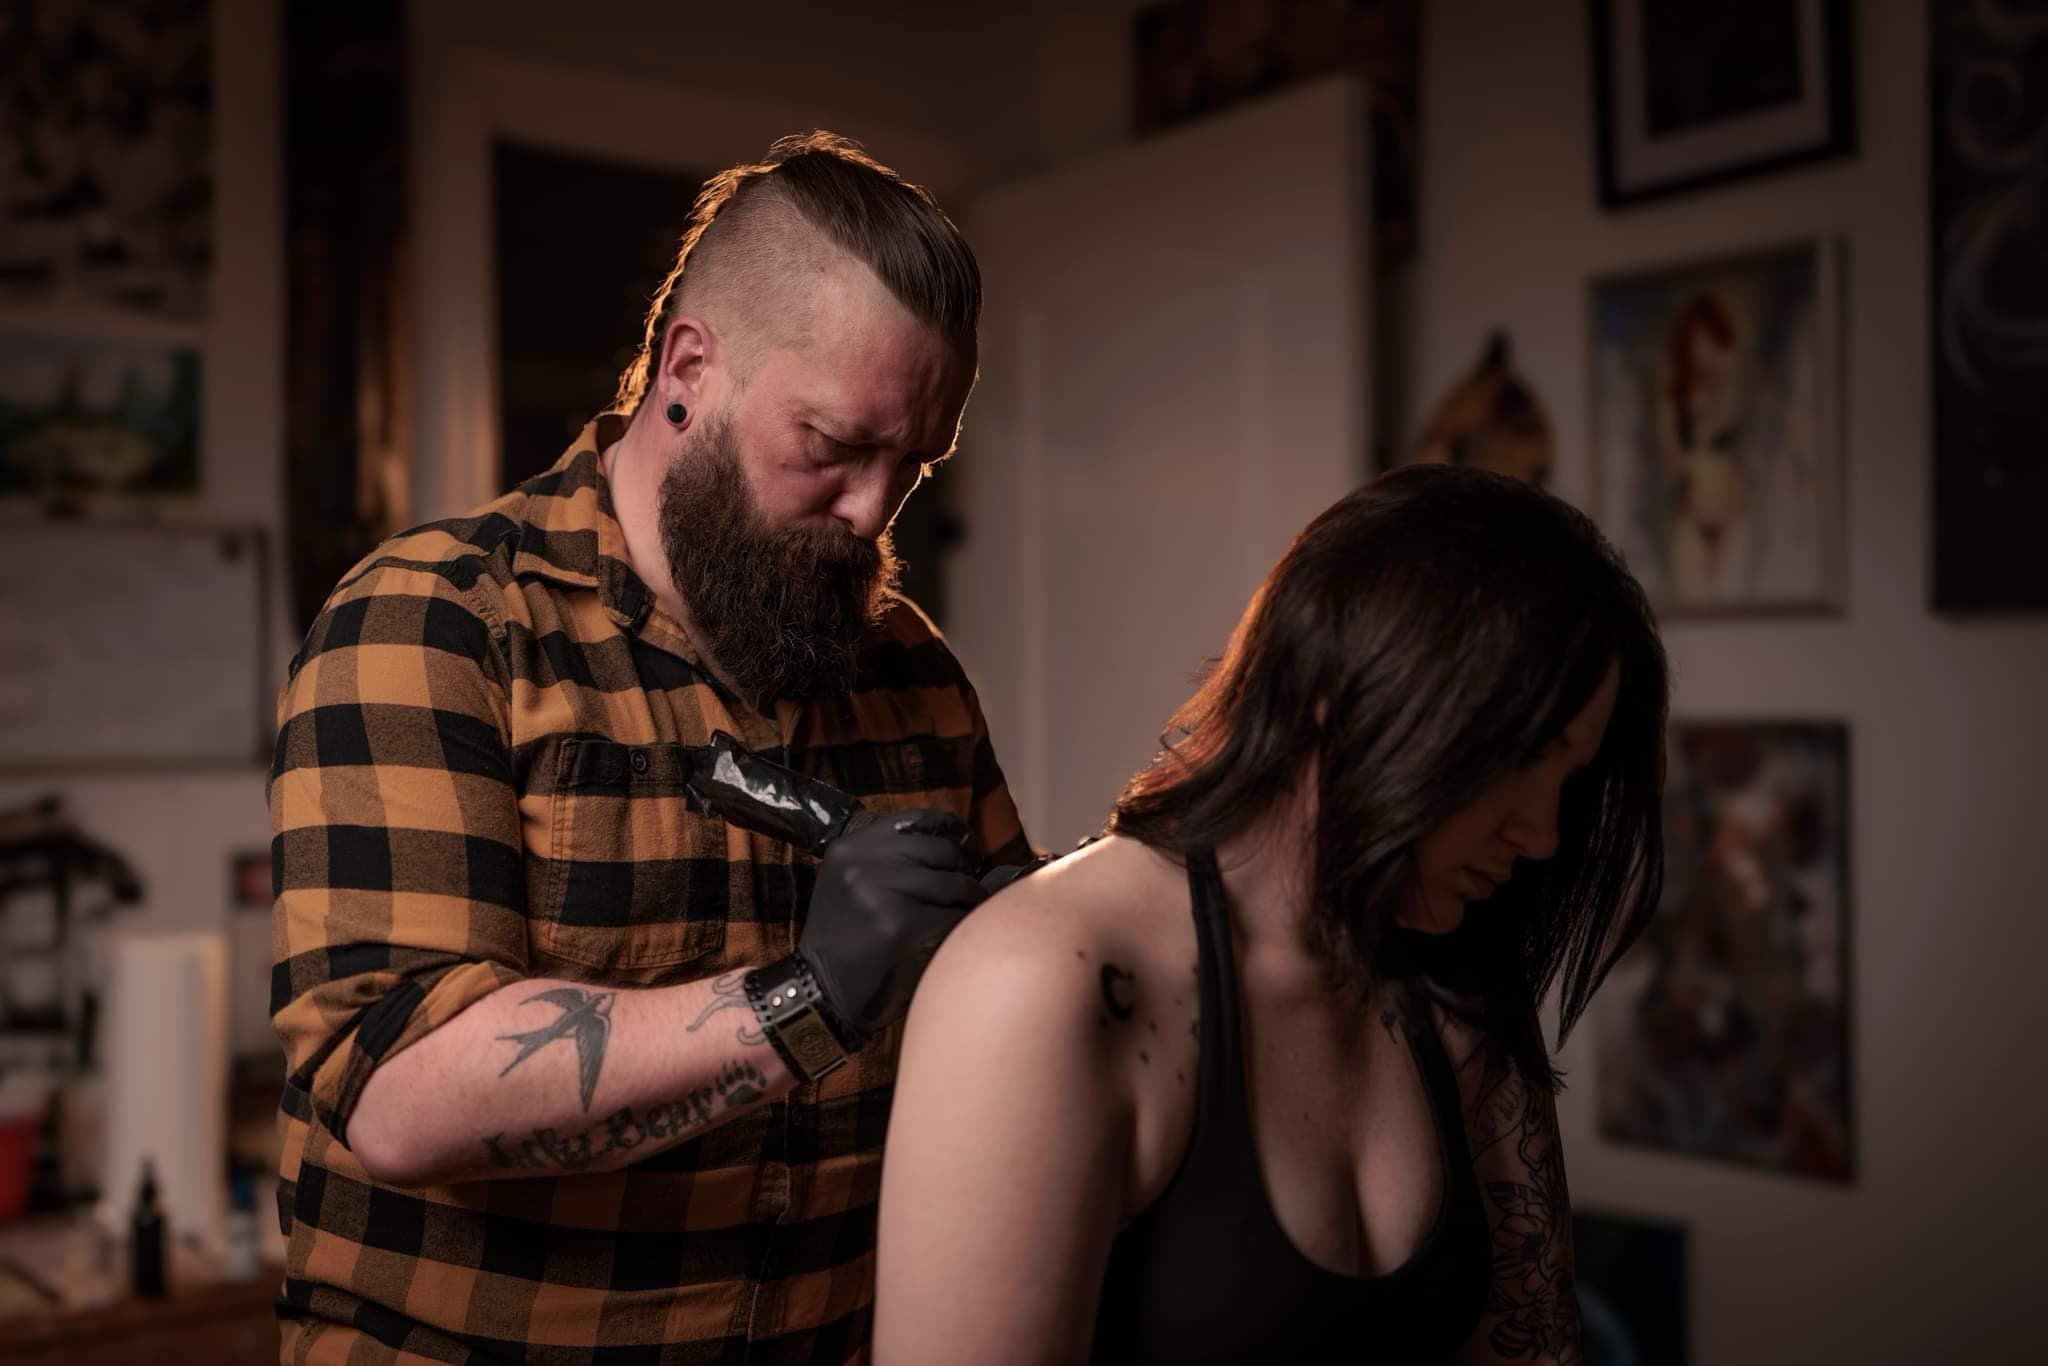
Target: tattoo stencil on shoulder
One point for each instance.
(1119, 991)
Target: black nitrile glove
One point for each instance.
(889, 891)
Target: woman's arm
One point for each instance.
(1532, 1308)
(1008, 1143)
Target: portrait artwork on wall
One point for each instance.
(1491, 420)
(1715, 429)
(1724, 1032)
(1989, 183)
(1633, 1287)
(1691, 95)
(1195, 57)
(106, 155)
(88, 417)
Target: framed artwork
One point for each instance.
(1724, 1033)
(1633, 1284)
(106, 156)
(88, 607)
(1691, 95)
(1987, 182)
(1715, 425)
(86, 417)
(1195, 57)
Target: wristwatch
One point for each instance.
(793, 1013)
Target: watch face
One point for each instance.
(813, 1046)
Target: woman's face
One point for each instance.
(1474, 853)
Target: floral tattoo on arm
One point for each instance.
(1533, 1302)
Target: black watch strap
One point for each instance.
(793, 1014)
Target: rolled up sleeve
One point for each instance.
(396, 851)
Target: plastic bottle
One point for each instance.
(146, 1237)
(244, 1259)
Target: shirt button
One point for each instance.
(638, 761)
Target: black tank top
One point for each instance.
(1206, 1274)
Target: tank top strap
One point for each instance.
(1440, 1086)
(1222, 1131)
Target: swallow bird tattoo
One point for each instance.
(586, 1017)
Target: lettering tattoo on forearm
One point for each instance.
(586, 1017)
(624, 1129)
(1533, 1300)
(729, 993)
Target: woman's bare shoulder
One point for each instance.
(1074, 942)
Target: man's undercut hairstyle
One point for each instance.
(760, 235)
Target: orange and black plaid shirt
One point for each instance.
(477, 782)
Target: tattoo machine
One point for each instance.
(730, 781)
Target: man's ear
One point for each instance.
(688, 346)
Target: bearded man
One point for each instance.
(577, 1072)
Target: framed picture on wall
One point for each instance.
(1691, 95)
(1989, 241)
(89, 607)
(1724, 1032)
(106, 134)
(94, 419)
(1715, 430)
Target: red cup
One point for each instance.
(17, 1163)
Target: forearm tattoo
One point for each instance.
(729, 993)
(586, 1017)
(1533, 1301)
(625, 1128)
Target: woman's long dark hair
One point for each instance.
(1454, 622)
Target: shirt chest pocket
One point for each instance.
(635, 880)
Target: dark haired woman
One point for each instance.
(1259, 1073)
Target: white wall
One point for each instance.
(179, 829)
(1927, 1257)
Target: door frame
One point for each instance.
(460, 109)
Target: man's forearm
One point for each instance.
(545, 1077)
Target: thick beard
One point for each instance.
(786, 614)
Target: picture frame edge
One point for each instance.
(1841, 141)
